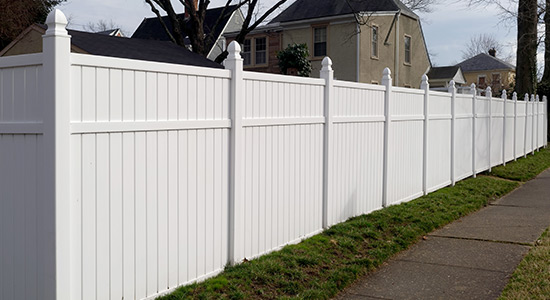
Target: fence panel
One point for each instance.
(464, 132)
(283, 161)
(150, 153)
(439, 145)
(497, 131)
(406, 145)
(509, 129)
(357, 150)
(26, 220)
(482, 134)
(521, 123)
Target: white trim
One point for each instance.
(25, 60)
(144, 126)
(141, 65)
(21, 128)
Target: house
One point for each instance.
(487, 70)
(259, 50)
(388, 35)
(439, 77)
(232, 20)
(30, 41)
(112, 32)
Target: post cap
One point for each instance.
(504, 96)
(234, 50)
(57, 23)
(326, 64)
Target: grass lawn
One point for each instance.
(323, 265)
(531, 280)
(526, 168)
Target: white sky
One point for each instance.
(447, 29)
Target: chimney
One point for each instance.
(493, 52)
(196, 3)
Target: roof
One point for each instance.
(131, 48)
(151, 28)
(313, 9)
(484, 61)
(443, 72)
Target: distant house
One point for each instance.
(391, 36)
(30, 41)
(439, 77)
(487, 70)
(232, 20)
(259, 50)
(112, 32)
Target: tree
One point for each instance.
(102, 25)
(295, 57)
(420, 5)
(193, 25)
(526, 66)
(16, 16)
(481, 43)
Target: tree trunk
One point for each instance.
(526, 70)
(546, 75)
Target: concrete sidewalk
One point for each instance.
(472, 258)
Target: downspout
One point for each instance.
(358, 32)
(397, 40)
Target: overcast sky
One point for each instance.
(447, 29)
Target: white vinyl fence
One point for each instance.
(123, 179)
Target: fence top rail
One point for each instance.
(146, 66)
(357, 85)
(441, 94)
(249, 75)
(407, 90)
(25, 60)
(464, 96)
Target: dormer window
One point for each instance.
(320, 41)
(407, 50)
(374, 42)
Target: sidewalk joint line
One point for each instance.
(454, 266)
(483, 240)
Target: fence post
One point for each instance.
(533, 125)
(474, 119)
(504, 98)
(234, 63)
(538, 122)
(387, 82)
(489, 94)
(515, 99)
(57, 70)
(327, 73)
(452, 90)
(526, 100)
(425, 85)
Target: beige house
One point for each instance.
(387, 35)
(487, 70)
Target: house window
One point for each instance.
(407, 49)
(481, 82)
(496, 79)
(254, 51)
(374, 42)
(320, 41)
(261, 50)
(247, 52)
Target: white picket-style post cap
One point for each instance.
(386, 78)
(526, 97)
(532, 98)
(326, 64)
(488, 91)
(452, 86)
(504, 96)
(57, 23)
(425, 82)
(538, 98)
(473, 89)
(515, 96)
(234, 50)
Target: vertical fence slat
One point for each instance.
(425, 85)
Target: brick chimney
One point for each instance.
(493, 52)
(196, 3)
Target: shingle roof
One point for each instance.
(150, 50)
(151, 28)
(311, 9)
(442, 72)
(484, 61)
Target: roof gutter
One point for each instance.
(397, 39)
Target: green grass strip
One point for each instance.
(531, 280)
(323, 265)
(526, 168)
